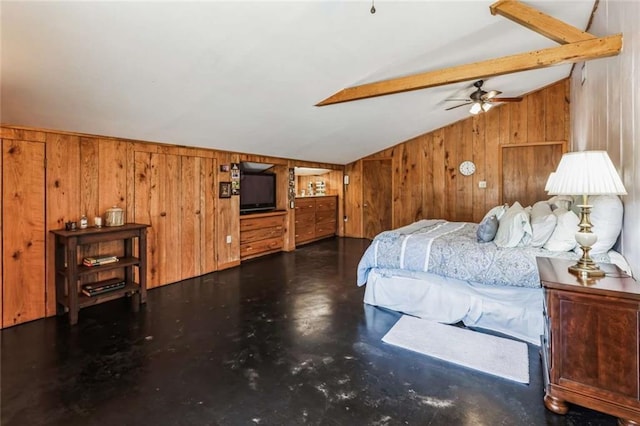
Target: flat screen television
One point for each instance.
(257, 192)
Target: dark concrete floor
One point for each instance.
(280, 340)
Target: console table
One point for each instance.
(590, 349)
(69, 272)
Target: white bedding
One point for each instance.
(514, 311)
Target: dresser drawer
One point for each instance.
(261, 222)
(305, 234)
(260, 234)
(305, 205)
(325, 216)
(325, 229)
(305, 218)
(261, 247)
(326, 204)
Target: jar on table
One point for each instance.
(114, 216)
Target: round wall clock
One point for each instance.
(467, 168)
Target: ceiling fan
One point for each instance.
(480, 100)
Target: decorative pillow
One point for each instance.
(543, 223)
(560, 201)
(606, 220)
(496, 211)
(514, 227)
(487, 229)
(563, 237)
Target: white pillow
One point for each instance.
(543, 223)
(496, 211)
(514, 227)
(606, 220)
(563, 237)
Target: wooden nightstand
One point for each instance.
(590, 349)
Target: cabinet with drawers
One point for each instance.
(261, 233)
(315, 218)
(591, 340)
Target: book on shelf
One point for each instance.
(101, 287)
(97, 261)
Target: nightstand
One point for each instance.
(590, 349)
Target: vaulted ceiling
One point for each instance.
(245, 76)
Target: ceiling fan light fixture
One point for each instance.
(486, 106)
(475, 108)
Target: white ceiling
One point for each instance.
(244, 76)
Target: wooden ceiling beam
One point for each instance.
(592, 48)
(537, 21)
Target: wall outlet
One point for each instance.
(482, 184)
(228, 239)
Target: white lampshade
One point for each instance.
(585, 173)
(549, 181)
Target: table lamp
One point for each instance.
(585, 173)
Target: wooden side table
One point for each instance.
(591, 346)
(68, 272)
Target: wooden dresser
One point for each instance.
(590, 349)
(261, 233)
(315, 218)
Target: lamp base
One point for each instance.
(586, 267)
(586, 271)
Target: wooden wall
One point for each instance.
(173, 188)
(426, 180)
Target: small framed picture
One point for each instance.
(224, 167)
(225, 190)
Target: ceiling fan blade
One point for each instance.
(491, 94)
(458, 106)
(458, 100)
(504, 100)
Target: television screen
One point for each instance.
(257, 192)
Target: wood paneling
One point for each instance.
(427, 183)
(63, 196)
(353, 200)
(23, 248)
(377, 176)
(525, 169)
(174, 194)
(157, 203)
(88, 174)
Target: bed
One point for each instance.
(438, 270)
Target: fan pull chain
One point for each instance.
(373, 7)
